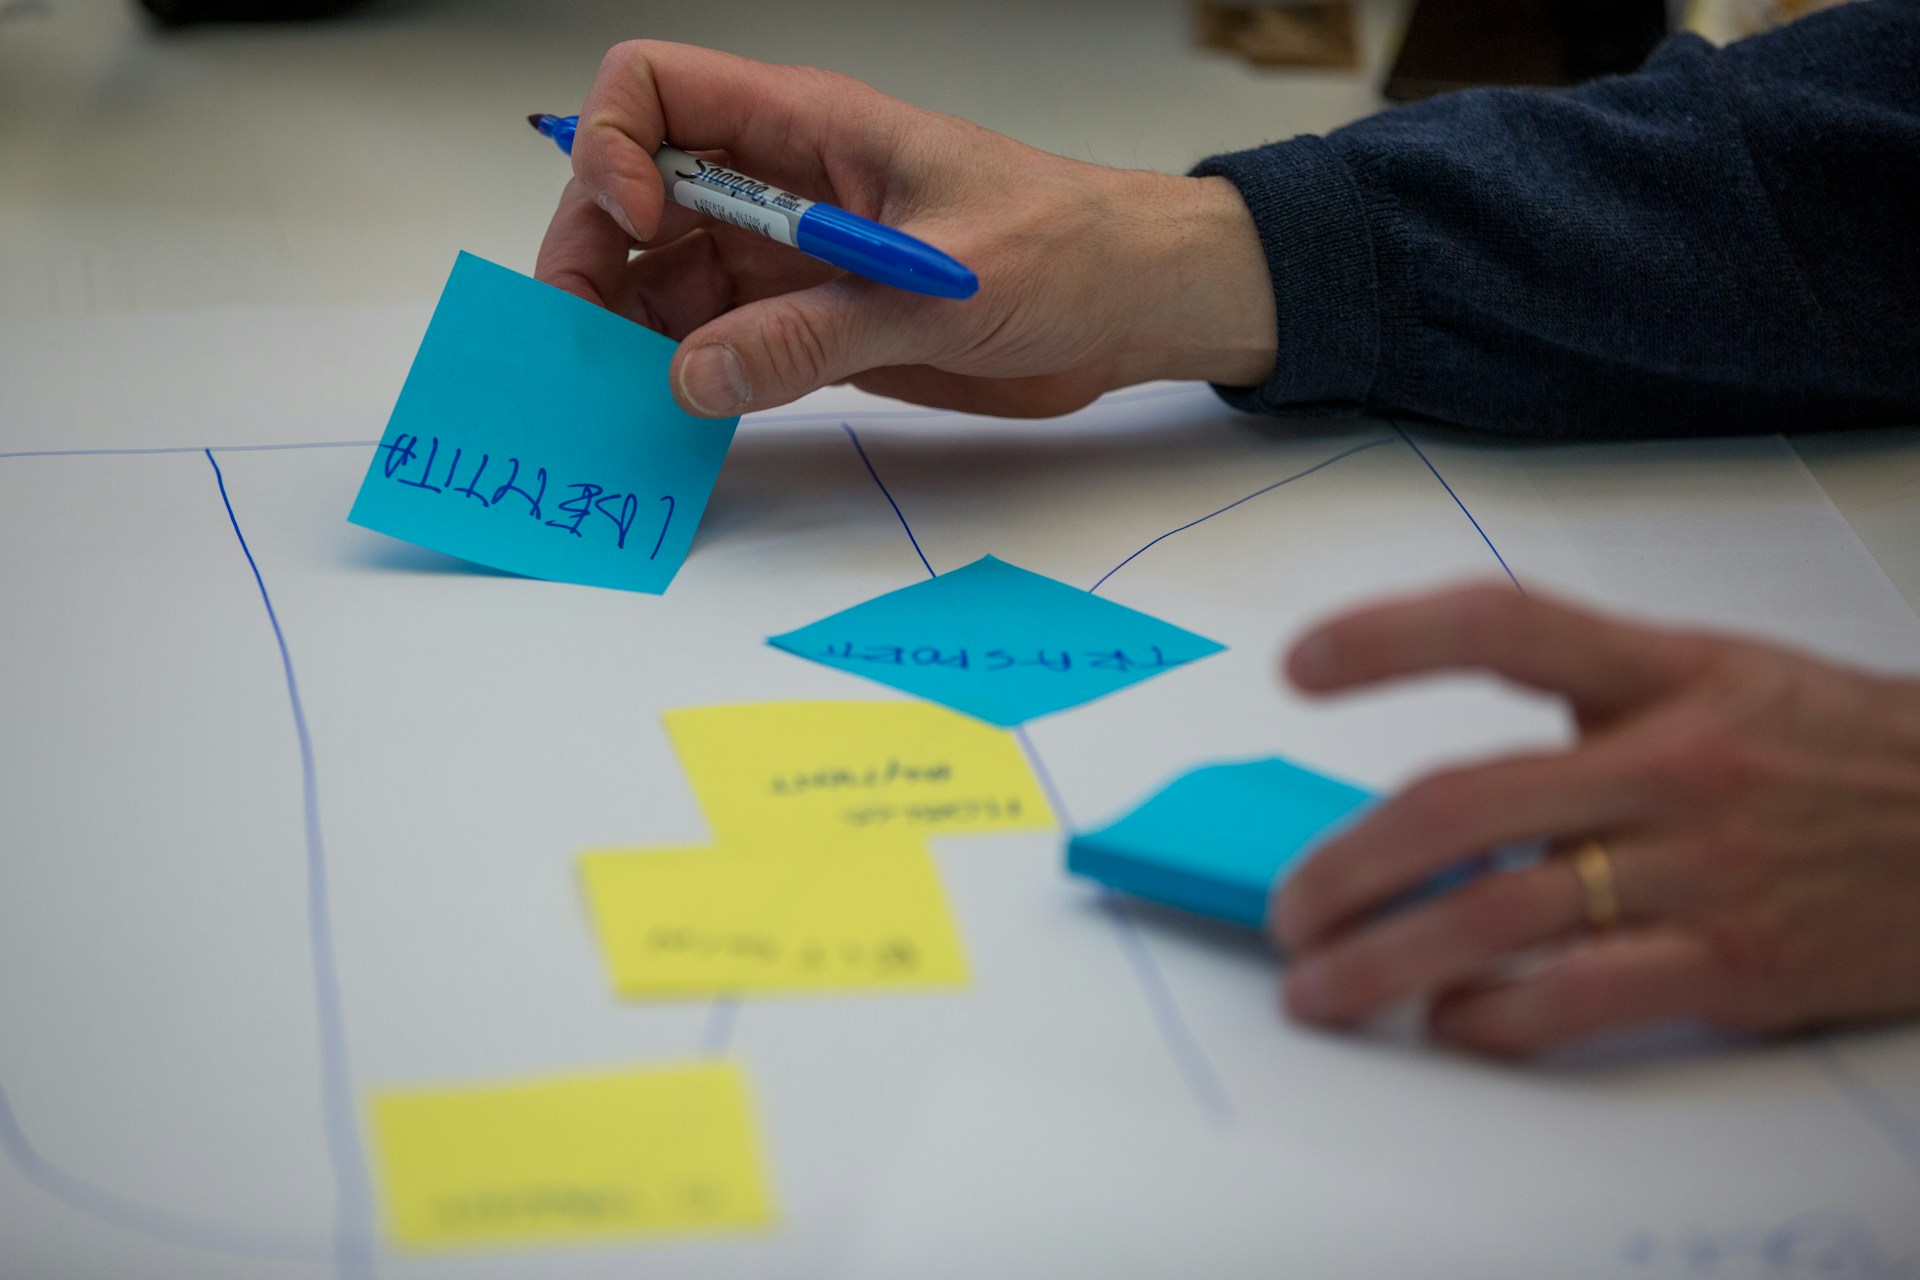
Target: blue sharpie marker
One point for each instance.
(846, 240)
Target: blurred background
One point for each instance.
(166, 154)
(150, 162)
(346, 160)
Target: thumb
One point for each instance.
(772, 352)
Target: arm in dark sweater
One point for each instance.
(1727, 240)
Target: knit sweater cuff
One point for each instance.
(1313, 229)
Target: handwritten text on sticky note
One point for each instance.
(536, 433)
(763, 770)
(697, 921)
(998, 642)
(572, 1158)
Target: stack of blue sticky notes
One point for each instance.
(1215, 840)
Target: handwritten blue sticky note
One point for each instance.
(998, 642)
(1215, 840)
(536, 433)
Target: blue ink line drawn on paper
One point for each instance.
(888, 495)
(353, 1224)
(146, 1220)
(1298, 475)
(1189, 1059)
(1422, 455)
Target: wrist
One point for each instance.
(1204, 294)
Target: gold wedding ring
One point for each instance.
(1594, 865)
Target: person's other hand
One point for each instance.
(1761, 809)
(1090, 278)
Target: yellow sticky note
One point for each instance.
(768, 769)
(808, 917)
(670, 1149)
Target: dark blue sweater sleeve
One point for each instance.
(1727, 240)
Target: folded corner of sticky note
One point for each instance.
(538, 434)
(1214, 841)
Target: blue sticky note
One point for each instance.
(1215, 840)
(536, 433)
(998, 642)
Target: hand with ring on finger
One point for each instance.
(1735, 837)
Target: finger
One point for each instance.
(584, 252)
(763, 268)
(1458, 936)
(1604, 667)
(679, 286)
(676, 219)
(1610, 984)
(772, 352)
(1454, 815)
(675, 288)
(1043, 396)
(779, 120)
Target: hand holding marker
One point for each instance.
(1095, 278)
(848, 241)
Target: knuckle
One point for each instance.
(628, 53)
(1752, 960)
(854, 100)
(1704, 758)
(796, 351)
(851, 108)
(1726, 852)
(1311, 899)
(1436, 806)
(1485, 616)
(833, 86)
(1486, 916)
(1583, 993)
(619, 60)
(1350, 986)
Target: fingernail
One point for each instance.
(1305, 992)
(1313, 657)
(606, 201)
(1280, 927)
(713, 381)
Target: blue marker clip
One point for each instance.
(848, 241)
